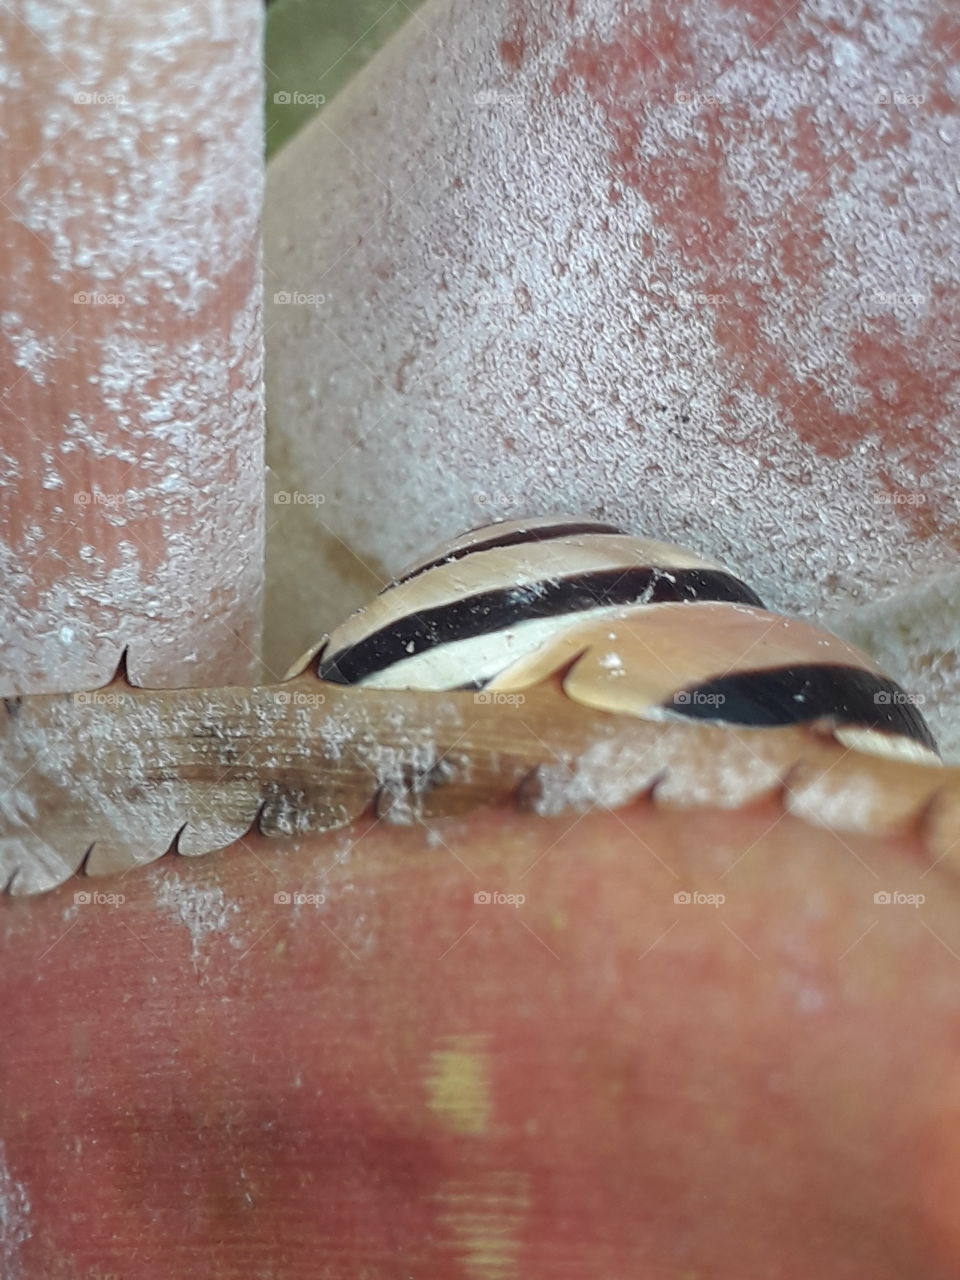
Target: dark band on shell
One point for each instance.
(507, 535)
(797, 695)
(492, 612)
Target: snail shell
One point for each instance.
(630, 625)
(461, 615)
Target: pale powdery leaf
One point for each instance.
(132, 235)
(527, 311)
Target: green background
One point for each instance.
(315, 46)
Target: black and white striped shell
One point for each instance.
(630, 625)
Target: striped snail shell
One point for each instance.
(630, 626)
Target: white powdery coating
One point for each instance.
(14, 1220)
(500, 337)
(60, 762)
(124, 87)
(142, 193)
(604, 776)
(609, 775)
(854, 808)
(29, 352)
(218, 554)
(203, 911)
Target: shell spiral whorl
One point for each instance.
(635, 626)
